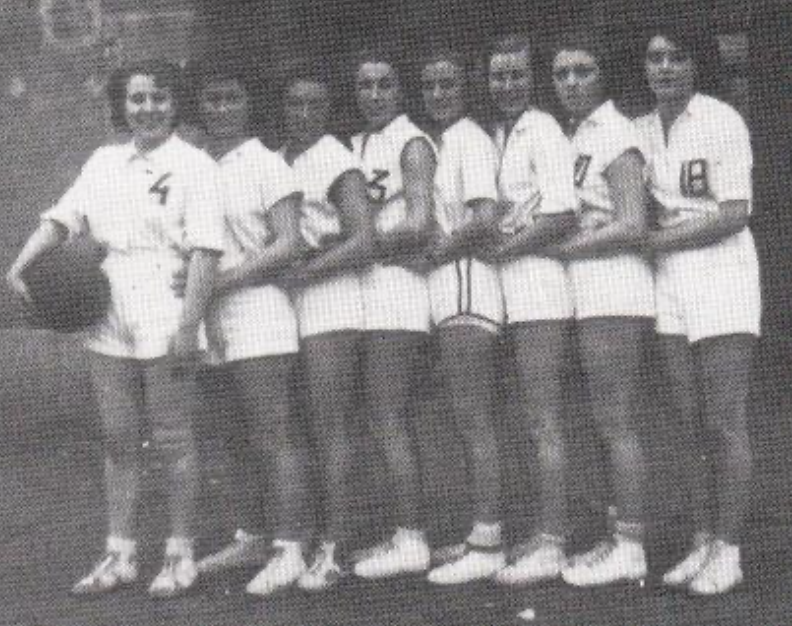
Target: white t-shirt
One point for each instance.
(599, 140)
(253, 179)
(165, 201)
(467, 168)
(380, 156)
(706, 160)
(536, 169)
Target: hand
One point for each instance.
(179, 282)
(184, 351)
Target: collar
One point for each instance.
(237, 152)
(599, 115)
(160, 153)
(695, 108)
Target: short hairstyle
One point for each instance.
(383, 53)
(166, 76)
(513, 43)
(700, 42)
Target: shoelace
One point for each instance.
(596, 555)
(321, 562)
(528, 548)
(110, 559)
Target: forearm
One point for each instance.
(201, 278)
(259, 268)
(613, 239)
(47, 236)
(544, 232)
(352, 254)
(695, 233)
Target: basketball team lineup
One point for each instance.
(328, 264)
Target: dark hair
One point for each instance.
(512, 43)
(700, 42)
(166, 76)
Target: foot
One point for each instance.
(685, 571)
(539, 560)
(177, 576)
(721, 573)
(406, 553)
(623, 561)
(475, 564)
(115, 570)
(282, 570)
(449, 553)
(324, 572)
(246, 550)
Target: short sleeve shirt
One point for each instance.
(467, 168)
(253, 179)
(380, 154)
(705, 160)
(166, 200)
(599, 140)
(317, 168)
(536, 168)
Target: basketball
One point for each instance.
(69, 291)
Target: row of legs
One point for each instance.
(708, 384)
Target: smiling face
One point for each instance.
(670, 70)
(577, 79)
(306, 110)
(511, 82)
(224, 107)
(442, 87)
(378, 93)
(149, 110)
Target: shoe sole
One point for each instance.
(93, 595)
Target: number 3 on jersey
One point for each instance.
(377, 191)
(694, 179)
(161, 189)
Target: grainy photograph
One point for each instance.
(396, 313)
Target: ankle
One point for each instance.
(485, 534)
(179, 546)
(124, 546)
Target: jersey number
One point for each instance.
(581, 169)
(376, 190)
(694, 179)
(161, 189)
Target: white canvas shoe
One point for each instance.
(282, 570)
(721, 573)
(404, 554)
(115, 570)
(539, 560)
(624, 561)
(474, 565)
(686, 570)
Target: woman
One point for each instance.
(336, 224)
(538, 203)
(699, 164)
(153, 203)
(467, 303)
(613, 289)
(253, 327)
(399, 165)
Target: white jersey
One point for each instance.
(467, 169)
(599, 140)
(536, 169)
(704, 160)
(465, 291)
(149, 211)
(612, 286)
(253, 180)
(380, 155)
(336, 303)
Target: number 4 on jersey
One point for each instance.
(161, 189)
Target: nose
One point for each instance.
(666, 63)
(375, 92)
(437, 91)
(304, 111)
(148, 105)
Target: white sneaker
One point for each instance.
(624, 561)
(721, 573)
(115, 570)
(178, 574)
(474, 565)
(539, 560)
(284, 569)
(324, 571)
(594, 554)
(402, 555)
(449, 553)
(685, 571)
(246, 550)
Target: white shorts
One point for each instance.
(466, 292)
(395, 298)
(536, 289)
(335, 304)
(251, 323)
(619, 286)
(144, 312)
(711, 291)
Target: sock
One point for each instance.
(408, 534)
(628, 531)
(485, 535)
(126, 547)
(289, 547)
(179, 546)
